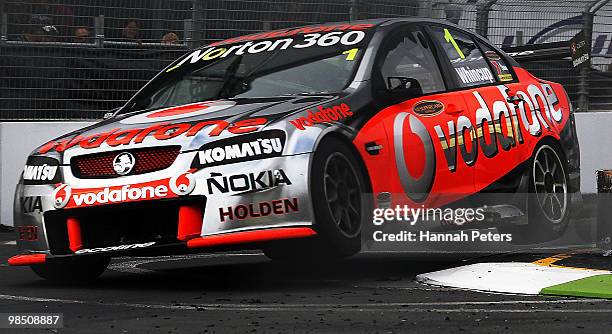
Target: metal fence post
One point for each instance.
(99, 30)
(3, 28)
(583, 90)
(188, 33)
(3, 24)
(426, 9)
(198, 27)
(354, 10)
(588, 18)
(482, 18)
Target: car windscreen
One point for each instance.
(303, 64)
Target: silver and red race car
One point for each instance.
(287, 140)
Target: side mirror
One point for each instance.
(404, 87)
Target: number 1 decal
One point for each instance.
(350, 54)
(449, 38)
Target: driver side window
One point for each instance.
(408, 55)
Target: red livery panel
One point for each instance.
(478, 138)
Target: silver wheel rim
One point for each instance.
(550, 184)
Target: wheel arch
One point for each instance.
(523, 170)
(557, 145)
(345, 137)
(552, 141)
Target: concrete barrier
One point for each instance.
(595, 137)
(18, 139)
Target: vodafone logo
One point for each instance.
(61, 196)
(182, 184)
(173, 113)
(66, 197)
(121, 194)
(416, 187)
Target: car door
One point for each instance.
(485, 81)
(420, 166)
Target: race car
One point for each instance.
(287, 140)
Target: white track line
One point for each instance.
(8, 242)
(453, 307)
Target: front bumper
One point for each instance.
(211, 215)
(208, 242)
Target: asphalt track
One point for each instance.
(244, 292)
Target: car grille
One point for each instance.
(118, 224)
(100, 165)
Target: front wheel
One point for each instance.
(74, 270)
(340, 204)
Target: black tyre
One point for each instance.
(549, 198)
(340, 203)
(73, 270)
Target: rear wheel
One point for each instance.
(72, 270)
(340, 205)
(549, 198)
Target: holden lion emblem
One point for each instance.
(124, 163)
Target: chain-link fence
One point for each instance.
(70, 59)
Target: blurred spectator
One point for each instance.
(131, 31)
(53, 13)
(170, 38)
(39, 29)
(81, 35)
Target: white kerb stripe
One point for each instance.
(506, 277)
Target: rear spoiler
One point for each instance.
(533, 52)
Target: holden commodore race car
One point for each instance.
(287, 140)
